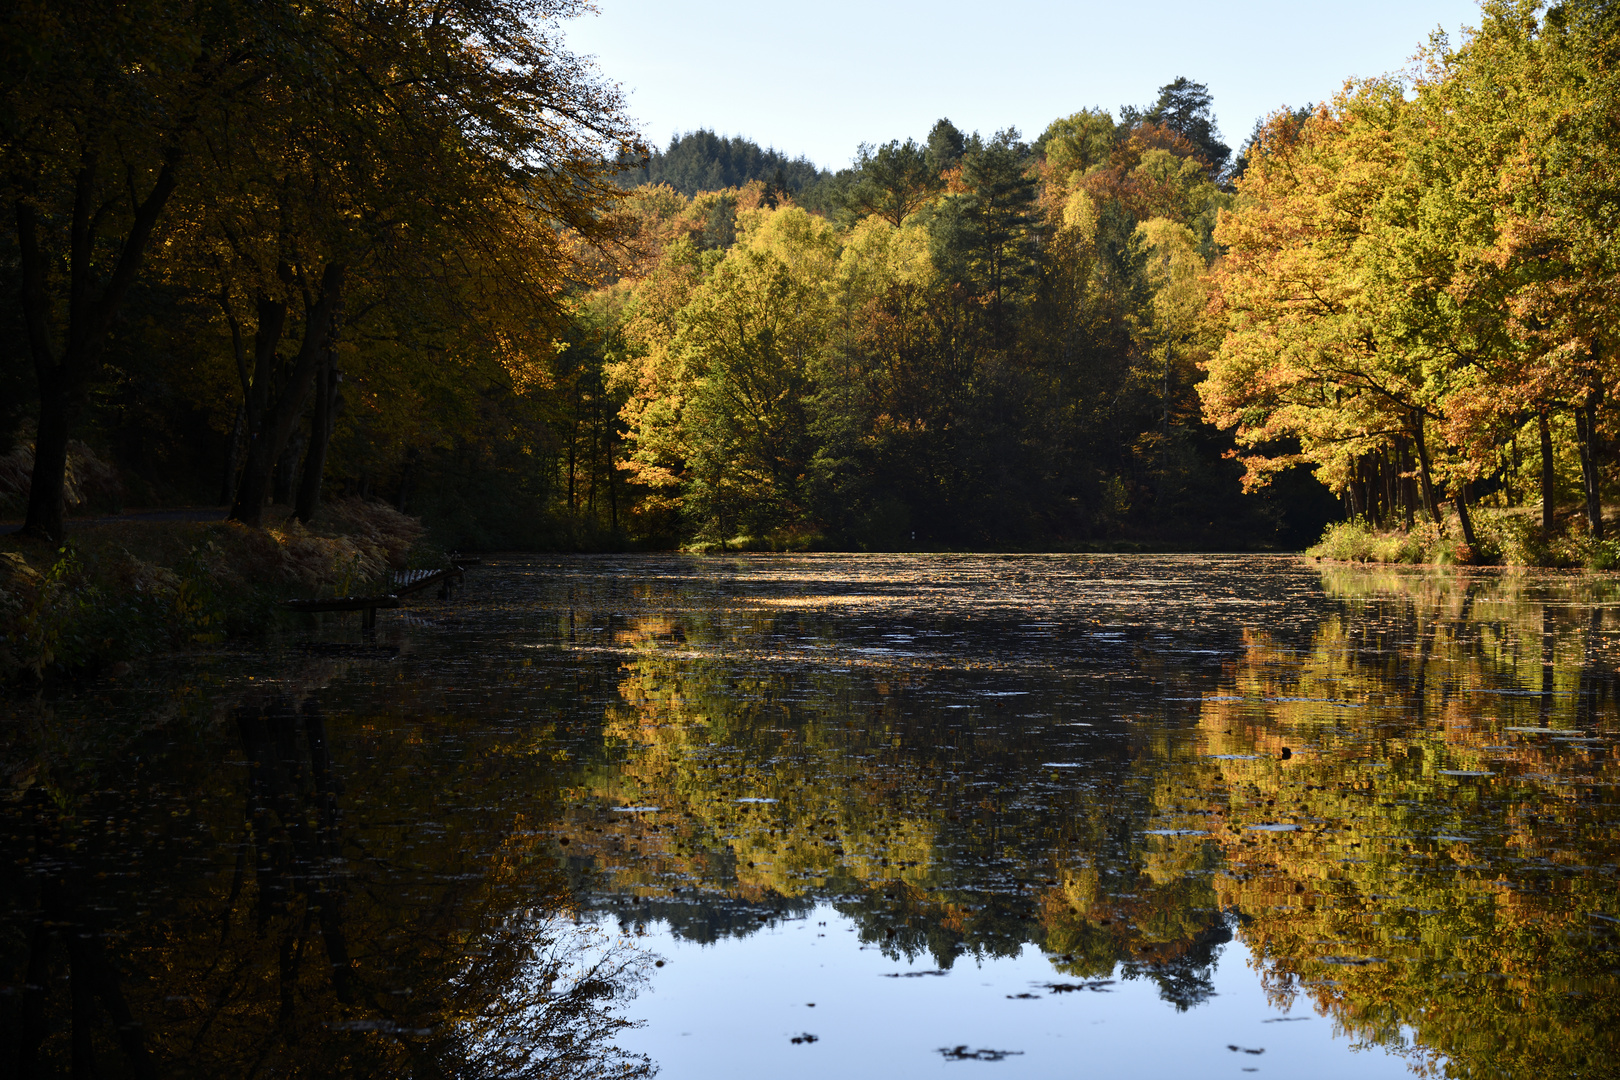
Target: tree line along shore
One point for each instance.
(274, 256)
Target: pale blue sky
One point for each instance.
(818, 79)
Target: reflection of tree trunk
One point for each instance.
(32, 1020)
(238, 877)
(1548, 643)
(290, 956)
(91, 977)
(329, 852)
(82, 1014)
(293, 853)
(1586, 697)
(1427, 632)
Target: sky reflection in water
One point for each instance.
(1240, 789)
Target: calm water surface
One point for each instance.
(829, 815)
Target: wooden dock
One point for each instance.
(366, 604)
(400, 582)
(405, 582)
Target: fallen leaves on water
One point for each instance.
(962, 1053)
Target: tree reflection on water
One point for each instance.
(1453, 869)
(1392, 793)
(243, 915)
(1353, 803)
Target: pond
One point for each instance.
(840, 815)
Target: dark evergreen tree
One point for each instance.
(945, 146)
(704, 161)
(892, 181)
(1184, 107)
(986, 236)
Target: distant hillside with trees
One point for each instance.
(704, 161)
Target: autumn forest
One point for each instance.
(465, 565)
(266, 255)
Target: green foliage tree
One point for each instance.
(945, 147)
(1079, 142)
(985, 234)
(893, 181)
(1413, 282)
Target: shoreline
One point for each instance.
(113, 592)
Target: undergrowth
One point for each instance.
(1503, 537)
(115, 592)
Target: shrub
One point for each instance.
(1509, 536)
(119, 591)
(1357, 541)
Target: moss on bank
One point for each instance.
(115, 592)
(1503, 538)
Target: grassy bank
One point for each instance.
(1502, 538)
(115, 592)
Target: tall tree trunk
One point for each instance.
(64, 379)
(613, 487)
(233, 457)
(320, 437)
(407, 479)
(1408, 486)
(59, 407)
(573, 447)
(1549, 475)
(1463, 518)
(1369, 484)
(283, 412)
(1425, 476)
(283, 477)
(1586, 434)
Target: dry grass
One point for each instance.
(119, 590)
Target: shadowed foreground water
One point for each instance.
(836, 815)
